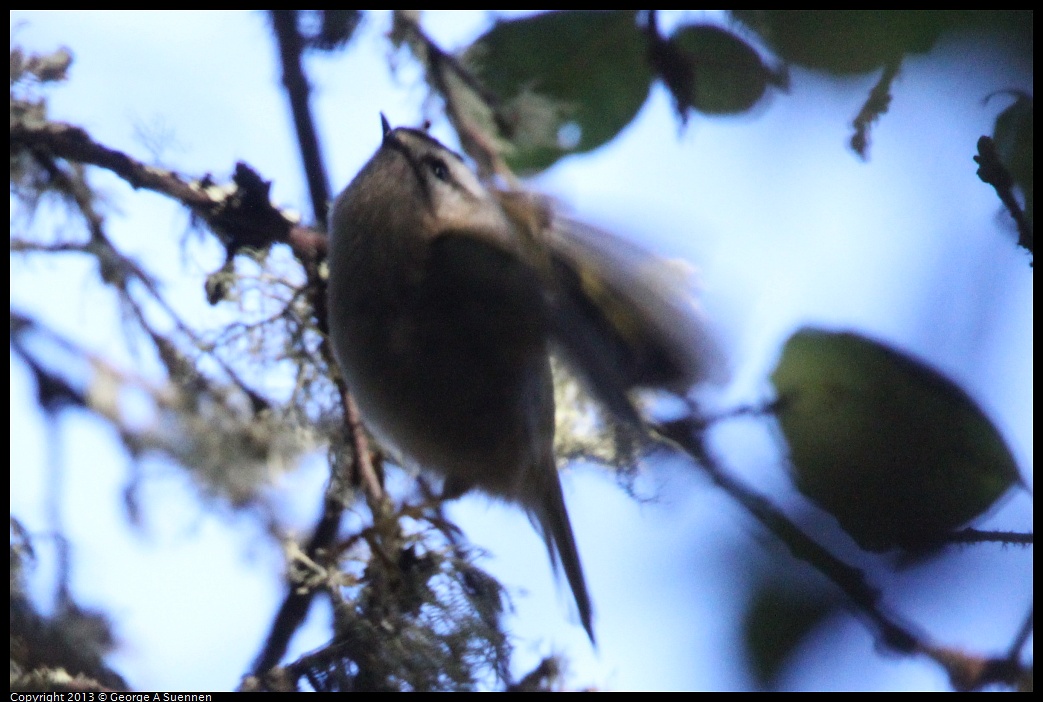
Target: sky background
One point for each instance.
(787, 226)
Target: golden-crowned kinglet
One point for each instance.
(445, 299)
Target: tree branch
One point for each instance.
(240, 213)
(966, 671)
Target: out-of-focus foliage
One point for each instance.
(777, 619)
(570, 81)
(61, 651)
(717, 72)
(896, 452)
(857, 41)
(1013, 137)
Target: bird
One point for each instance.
(446, 299)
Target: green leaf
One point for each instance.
(899, 454)
(570, 80)
(778, 619)
(846, 41)
(723, 74)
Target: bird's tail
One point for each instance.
(553, 522)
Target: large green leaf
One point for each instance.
(726, 75)
(859, 41)
(846, 41)
(896, 452)
(591, 66)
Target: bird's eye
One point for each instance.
(440, 170)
